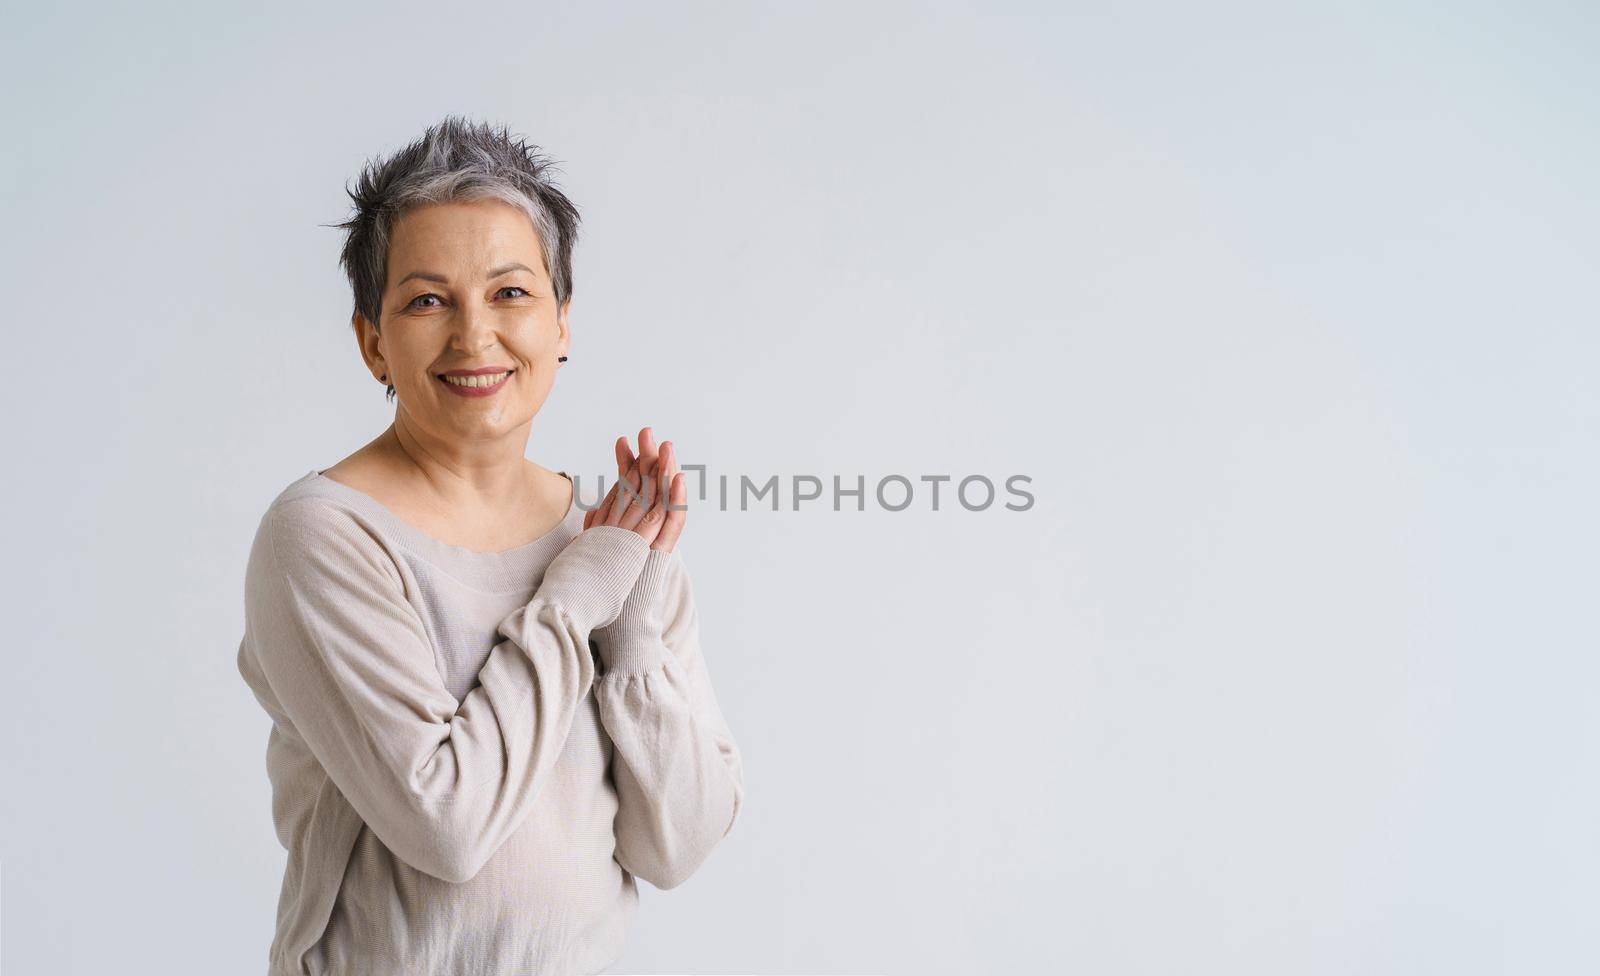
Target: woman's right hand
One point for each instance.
(653, 479)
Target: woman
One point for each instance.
(489, 708)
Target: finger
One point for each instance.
(644, 481)
(656, 513)
(673, 524)
(639, 504)
(597, 515)
(624, 458)
(649, 524)
(666, 465)
(677, 501)
(624, 455)
(627, 486)
(633, 499)
(654, 517)
(648, 452)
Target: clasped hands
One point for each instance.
(649, 496)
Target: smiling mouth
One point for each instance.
(475, 381)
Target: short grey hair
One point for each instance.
(454, 160)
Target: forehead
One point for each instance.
(462, 238)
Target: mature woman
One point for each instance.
(489, 709)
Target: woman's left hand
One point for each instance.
(653, 473)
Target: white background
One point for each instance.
(1290, 315)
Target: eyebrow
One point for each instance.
(441, 279)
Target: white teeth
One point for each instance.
(486, 379)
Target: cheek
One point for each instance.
(539, 327)
(411, 352)
(540, 375)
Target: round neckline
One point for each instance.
(439, 546)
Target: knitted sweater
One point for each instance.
(473, 755)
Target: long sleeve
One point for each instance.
(442, 784)
(678, 773)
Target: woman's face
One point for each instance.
(467, 290)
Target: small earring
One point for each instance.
(561, 359)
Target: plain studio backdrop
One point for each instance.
(1288, 315)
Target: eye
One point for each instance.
(507, 288)
(414, 301)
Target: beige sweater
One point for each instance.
(473, 755)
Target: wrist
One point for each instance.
(593, 576)
(633, 642)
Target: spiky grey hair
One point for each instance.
(454, 160)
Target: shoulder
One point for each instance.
(555, 485)
(309, 506)
(313, 527)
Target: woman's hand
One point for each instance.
(653, 479)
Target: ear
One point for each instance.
(563, 333)
(370, 344)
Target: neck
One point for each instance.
(486, 473)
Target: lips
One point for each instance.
(476, 382)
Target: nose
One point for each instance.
(471, 330)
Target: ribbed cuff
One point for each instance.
(634, 642)
(592, 577)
